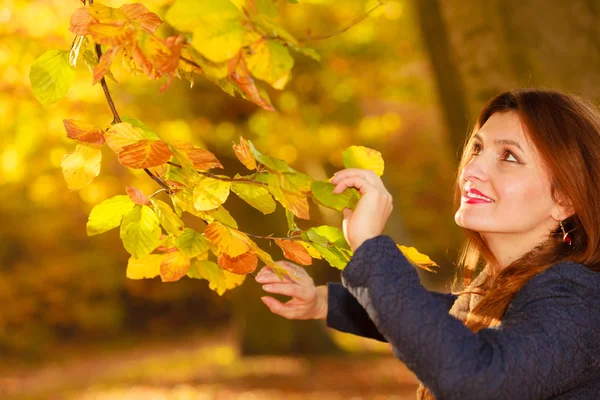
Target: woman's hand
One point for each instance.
(308, 301)
(373, 209)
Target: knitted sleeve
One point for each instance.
(548, 342)
(345, 314)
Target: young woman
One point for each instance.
(528, 199)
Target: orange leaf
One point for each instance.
(137, 196)
(227, 240)
(145, 154)
(174, 266)
(113, 34)
(156, 57)
(243, 153)
(137, 12)
(241, 77)
(241, 265)
(80, 21)
(294, 251)
(78, 130)
(105, 62)
(200, 158)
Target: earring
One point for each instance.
(566, 237)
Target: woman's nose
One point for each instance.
(476, 170)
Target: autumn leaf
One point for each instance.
(82, 166)
(186, 15)
(108, 214)
(241, 265)
(271, 62)
(115, 34)
(364, 158)
(51, 76)
(192, 243)
(218, 214)
(140, 231)
(218, 279)
(210, 193)
(145, 154)
(167, 217)
(126, 133)
(297, 204)
(138, 13)
(144, 268)
(272, 163)
(174, 266)
(157, 57)
(137, 196)
(218, 40)
(200, 158)
(257, 196)
(294, 251)
(244, 154)
(227, 240)
(240, 76)
(78, 130)
(418, 259)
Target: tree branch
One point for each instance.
(356, 21)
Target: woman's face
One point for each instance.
(504, 187)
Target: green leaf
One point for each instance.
(323, 194)
(271, 28)
(307, 51)
(332, 234)
(168, 219)
(296, 182)
(290, 221)
(108, 214)
(267, 7)
(364, 158)
(187, 15)
(144, 268)
(192, 243)
(257, 196)
(219, 280)
(218, 40)
(270, 162)
(219, 214)
(82, 166)
(271, 62)
(51, 76)
(334, 255)
(210, 193)
(140, 231)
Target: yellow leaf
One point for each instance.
(257, 196)
(82, 166)
(297, 204)
(271, 62)
(218, 40)
(140, 231)
(126, 133)
(363, 158)
(219, 280)
(227, 240)
(174, 266)
(200, 158)
(145, 267)
(210, 193)
(420, 260)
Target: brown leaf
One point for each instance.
(294, 251)
(78, 130)
(243, 153)
(241, 265)
(174, 266)
(137, 196)
(105, 62)
(155, 57)
(200, 158)
(145, 154)
(80, 21)
(137, 12)
(240, 76)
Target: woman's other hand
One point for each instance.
(307, 301)
(373, 209)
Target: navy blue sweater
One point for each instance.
(547, 346)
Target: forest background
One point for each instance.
(408, 81)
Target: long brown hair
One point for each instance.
(565, 130)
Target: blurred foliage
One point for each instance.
(373, 87)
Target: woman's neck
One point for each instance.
(507, 248)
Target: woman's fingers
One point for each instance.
(290, 289)
(289, 311)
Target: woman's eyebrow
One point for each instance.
(502, 141)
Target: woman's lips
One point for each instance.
(474, 196)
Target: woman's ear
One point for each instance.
(563, 208)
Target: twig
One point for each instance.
(356, 21)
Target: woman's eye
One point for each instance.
(476, 149)
(509, 156)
